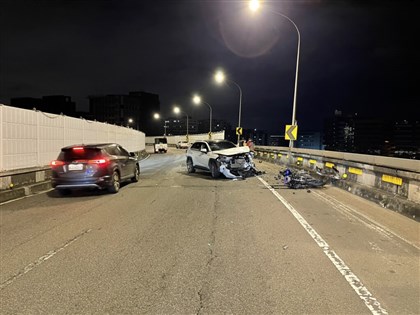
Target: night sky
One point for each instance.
(356, 56)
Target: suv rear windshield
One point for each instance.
(221, 145)
(84, 153)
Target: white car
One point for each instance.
(161, 145)
(220, 157)
(182, 145)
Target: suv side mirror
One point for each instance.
(132, 154)
(204, 150)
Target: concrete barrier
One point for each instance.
(393, 183)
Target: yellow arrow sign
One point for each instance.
(239, 131)
(291, 132)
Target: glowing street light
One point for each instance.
(197, 100)
(220, 77)
(156, 116)
(254, 6)
(129, 122)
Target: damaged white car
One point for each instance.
(221, 157)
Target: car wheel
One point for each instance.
(136, 176)
(190, 166)
(214, 169)
(115, 183)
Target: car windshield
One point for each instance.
(221, 145)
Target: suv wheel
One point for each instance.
(115, 183)
(136, 176)
(214, 169)
(190, 166)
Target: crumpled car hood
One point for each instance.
(232, 151)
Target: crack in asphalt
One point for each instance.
(212, 255)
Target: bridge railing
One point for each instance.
(391, 182)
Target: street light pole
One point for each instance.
(297, 70)
(220, 78)
(197, 100)
(240, 105)
(254, 6)
(164, 127)
(178, 110)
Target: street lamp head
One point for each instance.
(254, 5)
(219, 77)
(130, 120)
(177, 110)
(196, 99)
(156, 116)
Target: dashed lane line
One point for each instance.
(40, 260)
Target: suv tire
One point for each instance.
(136, 176)
(115, 183)
(214, 169)
(190, 166)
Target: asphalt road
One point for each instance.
(178, 243)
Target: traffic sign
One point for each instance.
(291, 132)
(239, 131)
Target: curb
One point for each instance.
(20, 192)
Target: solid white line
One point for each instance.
(372, 304)
(40, 260)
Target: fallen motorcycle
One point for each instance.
(302, 179)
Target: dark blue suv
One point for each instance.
(102, 166)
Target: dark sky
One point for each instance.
(357, 56)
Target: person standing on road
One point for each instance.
(251, 145)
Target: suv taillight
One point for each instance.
(101, 162)
(57, 163)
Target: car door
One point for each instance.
(202, 155)
(127, 163)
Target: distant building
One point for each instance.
(216, 125)
(259, 137)
(405, 140)
(277, 141)
(176, 126)
(55, 104)
(372, 136)
(134, 110)
(339, 133)
(309, 140)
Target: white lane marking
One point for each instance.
(40, 260)
(370, 301)
(372, 224)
